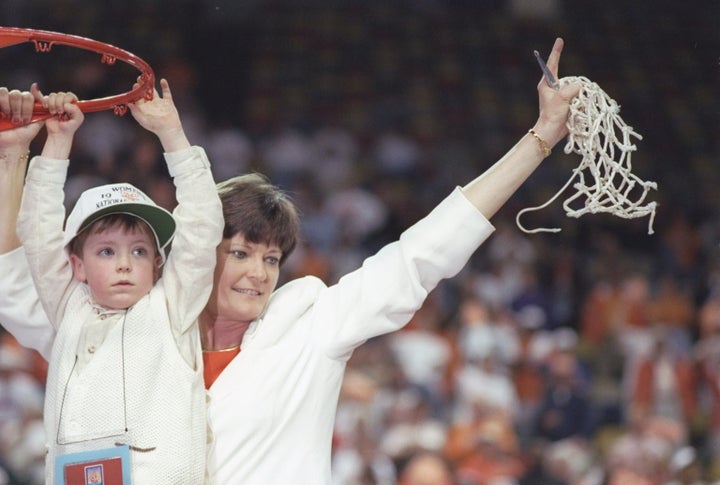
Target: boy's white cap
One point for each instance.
(123, 198)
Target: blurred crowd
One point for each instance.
(587, 357)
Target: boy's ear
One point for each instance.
(78, 268)
(156, 269)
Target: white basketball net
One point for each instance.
(598, 134)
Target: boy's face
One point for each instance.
(119, 265)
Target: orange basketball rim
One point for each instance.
(45, 40)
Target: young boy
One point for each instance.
(125, 396)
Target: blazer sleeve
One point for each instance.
(21, 313)
(386, 291)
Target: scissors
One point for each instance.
(549, 78)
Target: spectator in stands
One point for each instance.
(566, 410)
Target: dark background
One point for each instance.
(439, 69)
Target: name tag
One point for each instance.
(107, 466)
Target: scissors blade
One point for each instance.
(549, 78)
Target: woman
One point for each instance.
(275, 358)
(271, 408)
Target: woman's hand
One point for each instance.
(18, 106)
(554, 104)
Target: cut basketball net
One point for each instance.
(45, 40)
(606, 183)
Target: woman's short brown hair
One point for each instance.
(259, 210)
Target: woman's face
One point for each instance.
(245, 275)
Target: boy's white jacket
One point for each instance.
(139, 369)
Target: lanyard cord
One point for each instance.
(122, 358)
(62, 403)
